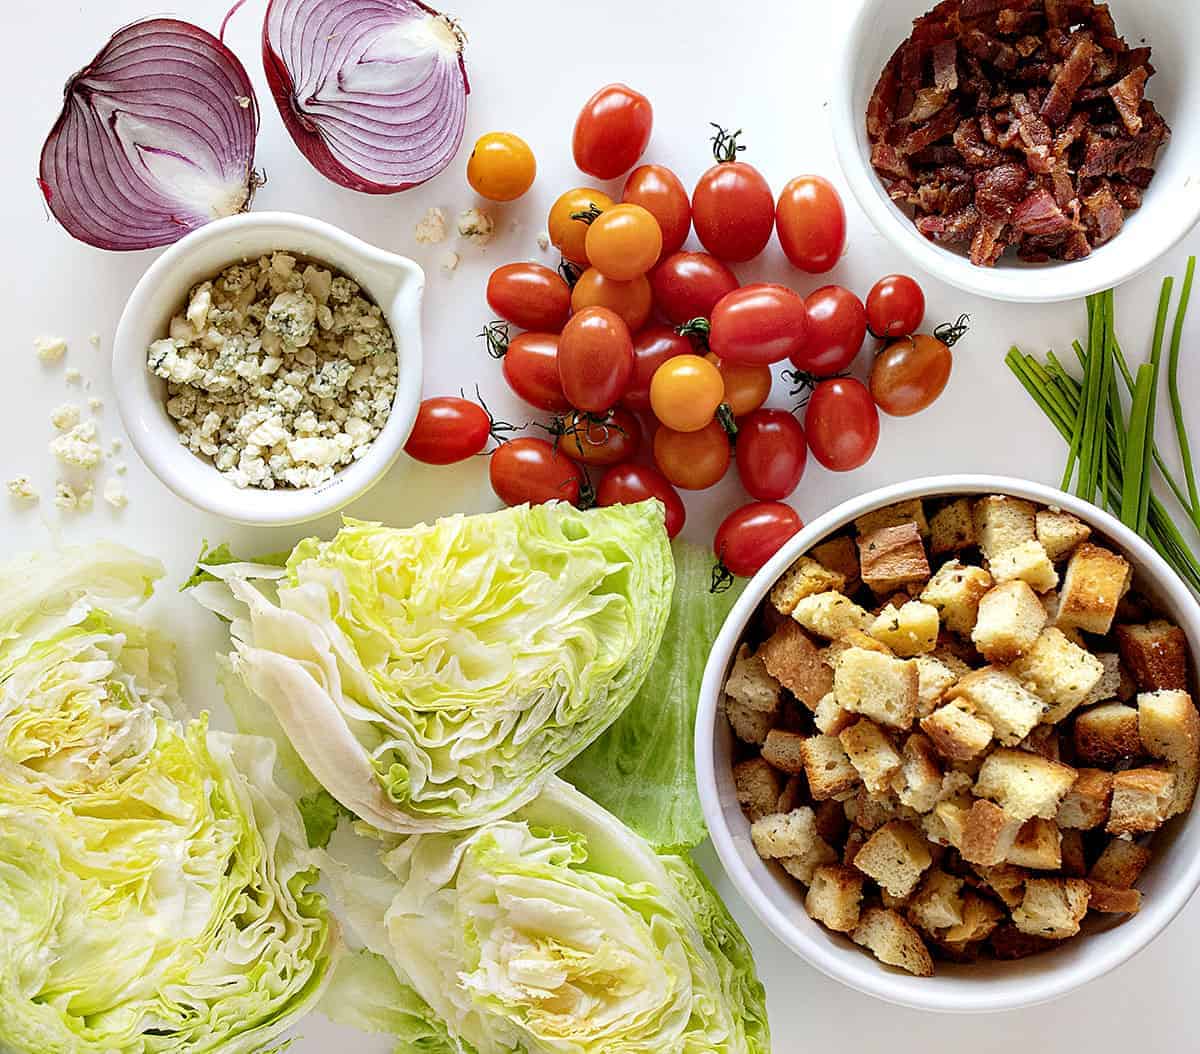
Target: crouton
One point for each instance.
(834, 897)
(1113, 901)
(1109, 685)
(1093, 586)
(909, 630)
(802, 866)
(1002, 522)
(955, 590)
(938, 903)
(793, 795)
(1085, 806)
(1060, 671)
(893, 941)
(988, 834)
(951, 659)
(804, 578)
(1006, 881)
(1060, 532)
(855, 840)
(1009, 943)
(897, 515)
(1026, 562)
(952, 528)
(1169, 728)
(1070, 847)
(1120, 864)
(784, 751)
(853, 638)
(872, 755)
(1052, 907)
(827, 767)
(877, 686)
(750, 726)
(831, 615)
(1043, 740)
(750, 684)
(947, 824)
(795, 662)
(1156, 654)
(1106, 734)
(1009, 621)
(979, 921)
(830, 717)
(956, 732)
(870, 812)
(831, 820)
(758, 787)
(1024, 785)
(792, 839)
(1038, 846)
(895, 856)
(840, 555)
(918, 784)
(892, 557)
(1000, 699)
(934, 679)
(1141, 801)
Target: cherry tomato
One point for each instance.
(751, 535)
(595, 359)
(531, 369)
(568, 234)
(909, 374)
(685, 392)
(758, 324)
(895, 306)
(501, 167)
(837, 326)
(689, 285)
(842, 424)
(448, 430)
(811, 223)
(629, 484)
(733, 209)
(530, 296)
(612, 131)
(532, 470)
(624, 242)
(692, 460)
(771, 454)
(595, 441)
(651, 348)
(631, 300)
(746, 387)
(658, 190)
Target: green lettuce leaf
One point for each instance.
(321, 813)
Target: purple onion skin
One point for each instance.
(306, 133)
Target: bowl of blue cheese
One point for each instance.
(268, 366)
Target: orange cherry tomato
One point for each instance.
(595, 359)
(811, 223)
(624, 242)
(658, 190)
(568, 234)
(746, 386)
(600, 441)
(909, 374)
(685, 392)
(501, 167)
(693, 460)
(631, 300)
(612, 131)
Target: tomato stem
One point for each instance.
(722, 578)
(496, 429)
(570, 271)
(726, 418)
(495, 336)
(587, 492)
(696, 327)
(725, 145)
(588, 215)
(950, 333)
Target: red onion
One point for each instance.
(155, 138)
(374, 92)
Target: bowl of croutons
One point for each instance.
(947, 743)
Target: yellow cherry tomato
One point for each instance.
(631, 300)
(746, 385)
(501, 167)
(685, 392)
(569, 234)
(624, 242)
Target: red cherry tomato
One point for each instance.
(751, 535)
(733, 209)
(658, 190)
(811, 223)
(629, 484)
(530, 296)
(689, 285)
(837, 326)
(771, 453)
(842, 424)
(448, 430)
(532, 470)
(758, 324)
(895, 306)
(531, 369)
(651, 348)
(595, 359)
(595, 441)
(909, 374)
(612, 131)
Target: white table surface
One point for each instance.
(532, 63)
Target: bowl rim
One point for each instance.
(868, 976)
(256, 506)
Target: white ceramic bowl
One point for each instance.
(1168, 883)
(393, 282)
(873, 29)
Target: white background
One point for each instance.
(762, 67)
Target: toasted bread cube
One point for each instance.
(1060, 671)
(1156, 654)
(918, 784)
(795, 662)
(801, 867)
(1109, 685)
(750, 684)
(872, 755)
(1009, 621)
(805, 578)
(1038, 846)
(892, 557)
(952, 528)
(1060, 532)
(1024, 785)
(909, 630)
(793, 795)
(1009, 943)
(956, 731)
(979, 921)
(987, 835)
(898, 515)
(834, 897)
(1106, 734)
(895, 856)
(1006, 881)
(1120, 864)
(750, 726)
(831, 820)
(831, 615)
(827, 767)
(947, 824)
(1043, 740)
(1169, 728)
(934, 680)
(938, 903)
(854, 638)
(830, 717)
(839, 554)
(1113, 901)
(893, 941)
(1093, 586)
(1085, 806)
(784, 751)
(949, 658)
(1002, 522)
(868, 812)
(1002, 701)
(877, 686)
(1070, 847)
(758, 787)
(1026, 562)
(780, 835)
(1053, 907)
(1141, 801)
(956, 590)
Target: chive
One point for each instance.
(1135, 450)
(1185, 451)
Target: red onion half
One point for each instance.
(156, 138)
(374, 92)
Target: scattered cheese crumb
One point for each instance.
(450, 261)
(65, 496)
(72, 375)
(94, 340)
(85, 499)
(115, 446)
(243, 101)
(65, 417)
(95, 405)
(50, 349)
(21, 488)
(476, 226)
(120, 468)
(78, 447)
(114, 493)
(432, 228)
(543, 241)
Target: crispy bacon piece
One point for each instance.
(989, 244)
(1035, 135)
(1128, 195)
(926, 103)
(945, 66)
(1039, 214)
(929, 133)
(1127, 96)
(998, 191)
(973, 148)
(887, 162)
(1071, 76)
(1103, 215)
(957, 227)
(881, 110)
(1064, 188)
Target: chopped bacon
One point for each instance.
(1102, 154)
(1064, 189)
(1127, 96)
(978, 8)
(1103, 215)
(1035, 135)
(999, 189)
(1056, 13)
(957, 227)
(1039, 214)
(1066, 139)
(975, 150)
(1028, 46)
(1071, 75)
(911, 65)
(942, 198)
(1076, 246)
(989, 244)
(887, 162)
(1128, 195)
(990, 49)
(936, 156)
(926, 103)
(945, 66)
(931, 132)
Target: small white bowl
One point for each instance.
(873, 29)
(778, 900)
(393, 282)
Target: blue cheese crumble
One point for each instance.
(280, 375)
